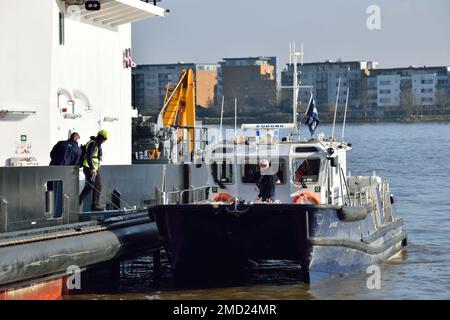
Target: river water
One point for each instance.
(415, 159)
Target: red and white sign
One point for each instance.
(127, 60)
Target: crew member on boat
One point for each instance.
(266, 182)
(91, 169)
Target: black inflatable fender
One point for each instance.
(352, 213)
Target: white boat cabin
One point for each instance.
(314, 170)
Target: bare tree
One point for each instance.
(407, 101)
(442, 101)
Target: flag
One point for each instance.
(312, 116)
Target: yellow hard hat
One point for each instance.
(104, 134)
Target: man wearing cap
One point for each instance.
(266, 182)
(91, 166)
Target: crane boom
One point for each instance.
(179, 107)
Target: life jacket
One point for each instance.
(95, 155)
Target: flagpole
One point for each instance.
(235, 119)
(309, 103)
(307, 109)
(335, 108)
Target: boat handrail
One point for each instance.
(363, 196)
(194, 191)
(177, 196)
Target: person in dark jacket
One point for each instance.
(91, 169)
(67, 152)
(266, 182)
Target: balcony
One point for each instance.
(114, 13)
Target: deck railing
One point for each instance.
(378, 198)
(192, 195)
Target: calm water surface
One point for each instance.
(415, 158)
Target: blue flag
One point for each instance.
(312, 116)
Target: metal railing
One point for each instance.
(195, 195)
(192, 195)
(200, 143)
(386, 201)
(362, 197)
(379, 202)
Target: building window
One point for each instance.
(385, 82)
(385, 91)
(427, 81)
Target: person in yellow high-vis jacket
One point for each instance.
(91, 169)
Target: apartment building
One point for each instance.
(411, 86)
(150, 81)
(252, 81)
(324, 77)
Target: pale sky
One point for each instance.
(413, 32)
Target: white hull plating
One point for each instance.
(40, 75)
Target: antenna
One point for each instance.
(345, 115)
(290, 53)
(221, 119)
(335, 108)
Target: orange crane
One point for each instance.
(179, 108)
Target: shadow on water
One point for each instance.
(136, 279)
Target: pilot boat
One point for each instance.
(321, 217)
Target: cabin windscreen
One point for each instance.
(251, 172)
(306, 170)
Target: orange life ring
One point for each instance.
(224, 197)
(307, 198)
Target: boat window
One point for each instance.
(222, 172)
(251, 174)
(306, 149)
(306, 170)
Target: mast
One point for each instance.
(293, 59)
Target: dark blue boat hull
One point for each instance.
(207, 240)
